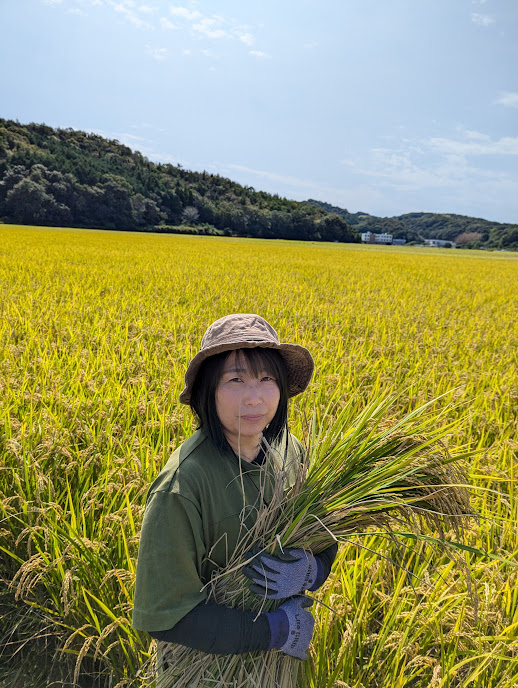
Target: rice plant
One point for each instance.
(96, 330)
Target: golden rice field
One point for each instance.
(96, 330)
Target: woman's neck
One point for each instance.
(247, 448)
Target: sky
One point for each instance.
(379, 106)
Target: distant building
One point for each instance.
(398, 242)
(371, 238)
(438, 243)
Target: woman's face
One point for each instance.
(245, 403)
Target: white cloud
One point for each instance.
(186, 52)
(210, 28)
(125, 7)
(438, 162)
(259, 54)
(477, 144)
(144, 16)
(360, 197)
(142, 125)
(129, 140)
(185, 13)
(396, 169)
(275, 177)
(508, 99)
(213, 27)
(156, 53)
(247, 39)
(311, 45)
(166, 24)
(474, 135)
(482, 19)
(78, 12)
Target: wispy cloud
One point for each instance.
(210, 28)
(482, 19)
(259, 54)
(167, 24)
(509, 99)
(185, 13)
(130, 140)
(158, 54)
(126, 8)
(459, 173)
(299, 188)
(247, 39)
(435, 161)
(188, 19)
(477, 144)
(273, 176)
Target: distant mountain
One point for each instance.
(469, 232)
(62, 177)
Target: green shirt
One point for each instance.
(197, 510)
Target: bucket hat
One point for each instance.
(246, 331)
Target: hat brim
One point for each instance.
(299, 364)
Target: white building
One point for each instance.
(371, 238)
(438, 243)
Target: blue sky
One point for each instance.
(382, 106)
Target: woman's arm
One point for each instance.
(216, 629)
(325, 561)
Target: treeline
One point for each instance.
(469, 232)
(63, 177)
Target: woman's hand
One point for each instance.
(282, 576)
(291, 627)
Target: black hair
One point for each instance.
(203, 395)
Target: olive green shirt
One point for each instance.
(200, 506)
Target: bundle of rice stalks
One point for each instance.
(360, 472)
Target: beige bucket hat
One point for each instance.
(246, 331)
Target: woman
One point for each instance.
(205, 499)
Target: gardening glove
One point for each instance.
(291, 627)
(282, 576)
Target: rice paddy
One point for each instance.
(95, 334)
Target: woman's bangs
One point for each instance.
(259, 360)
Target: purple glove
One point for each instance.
(291, 627)
(284, 575)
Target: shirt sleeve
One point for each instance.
(325, 561)
(216, 629)
(171, 551)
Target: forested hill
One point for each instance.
(62, 177)
(467, 231)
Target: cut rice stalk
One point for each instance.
(361, 472)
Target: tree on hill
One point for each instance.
(67, 177)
